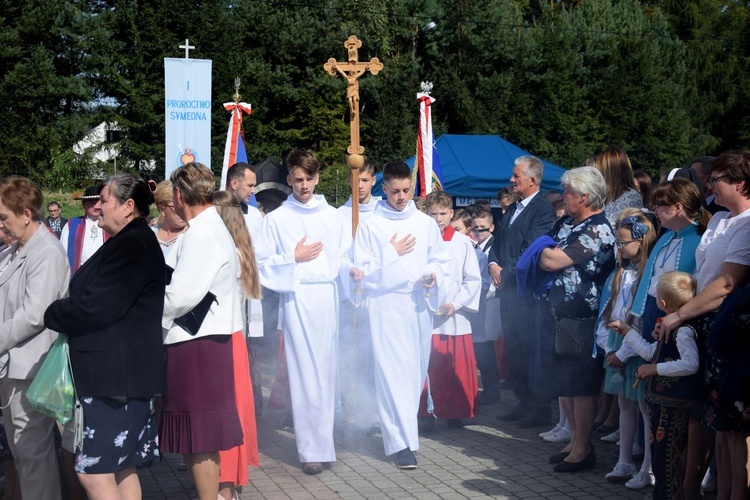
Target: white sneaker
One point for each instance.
(621, 473)
(709, 487)
(612, 438)
(561, 436)
(638, 450)
(640, 480)
(550, 432)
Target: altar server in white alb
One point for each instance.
(453, 370)
(355, 345)
(299, 254)
(402, 261)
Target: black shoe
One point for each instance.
(405, 459)
(455, 423)
(288, 424)
(529, 422)
(488, 398)
(587, 463)
(426, 425)
(558, 457)
(312, 468)
(516, 413)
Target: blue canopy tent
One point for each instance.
(478, 166)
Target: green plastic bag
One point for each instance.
(52, 391)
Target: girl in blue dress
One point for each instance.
(635, 238)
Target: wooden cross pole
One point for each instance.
(352, 69)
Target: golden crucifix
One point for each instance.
(352, 70)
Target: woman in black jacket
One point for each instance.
(113, 322)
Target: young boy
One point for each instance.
(355, 346)
(452, 369)
(401, 260)
(484, 345)
(674, 387)
(299, 254)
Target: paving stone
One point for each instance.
(485, 459)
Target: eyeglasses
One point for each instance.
(480, 229)
(171, 207)
(713, 180)
(621, 243)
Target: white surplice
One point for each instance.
(462, 289)
(308, 306)
(400, 316)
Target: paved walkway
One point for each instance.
(487, 458)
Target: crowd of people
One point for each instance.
(621, 302)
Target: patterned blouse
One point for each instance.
(628, 199)
(576, 290)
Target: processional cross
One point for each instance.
(352, 69)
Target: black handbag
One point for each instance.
(191, 321)
(574, 337)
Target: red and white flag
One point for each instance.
(234, 150)
(427, 173)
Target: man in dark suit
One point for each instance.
(703, 165)
(525, 220)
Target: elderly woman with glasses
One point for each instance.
(170, 224)
(722, 267)
(580, 256)
(34, 272)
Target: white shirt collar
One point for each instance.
(525, 202)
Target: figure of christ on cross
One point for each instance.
(352, 70)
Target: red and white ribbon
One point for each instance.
(235, 125)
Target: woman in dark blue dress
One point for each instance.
(582, 261)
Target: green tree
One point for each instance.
(50, 53)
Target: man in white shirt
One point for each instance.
(81, 237)
(401, 259)
(241, 181)
(525, 220)
(299, 254)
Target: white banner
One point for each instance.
(187, 111)
(462, 201)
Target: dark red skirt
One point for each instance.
(200, 413)
(453, 378)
